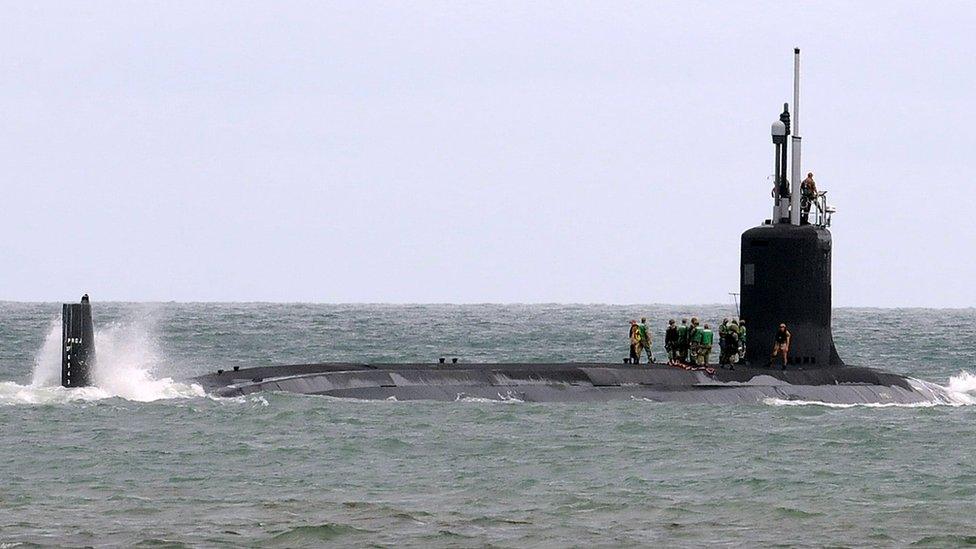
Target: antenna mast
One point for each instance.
(795, 183)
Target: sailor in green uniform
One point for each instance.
(693, 338)
(683, 341)
(645, 338)
(742, 340)
(705, 338)
(695, 344)
(732, 344)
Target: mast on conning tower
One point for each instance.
(786, 191)
(795, 190)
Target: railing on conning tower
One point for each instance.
(819, 211)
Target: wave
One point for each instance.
(964, 383)
(959, 391)
(127, 358)
(787, 402)
(508, 397)
(313, 535)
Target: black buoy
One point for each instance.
(441, 360)
(237, 368)
(77, 343)
(219, 372)
(454, 361)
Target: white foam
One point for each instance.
(507, 397)
(964, 383)
(785, 402)
(126, 359)
(959, 391)
(14, 393)
(244, 399)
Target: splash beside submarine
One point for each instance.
(785, 277)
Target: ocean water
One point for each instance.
(146, 458)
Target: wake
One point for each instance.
(959, 391)
(127, 357)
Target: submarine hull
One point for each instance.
(574, 382)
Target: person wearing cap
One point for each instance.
(781, 345)
(635, 342)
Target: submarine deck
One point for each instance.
(568, 382)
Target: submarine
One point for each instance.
(784, 277)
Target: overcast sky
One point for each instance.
(474, 152)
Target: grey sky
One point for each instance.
(474, 152)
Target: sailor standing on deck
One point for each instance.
(645, 338)
(671, 342)
(705, 339)
(635, 342)
(732, 344)
(683, 341)
(742, 341)
(781, 344)
(693, 341)
(723, 330)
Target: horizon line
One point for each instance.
(459, 303)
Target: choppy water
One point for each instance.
(145, 458)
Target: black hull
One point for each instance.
(572, 382)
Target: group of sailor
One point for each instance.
(691, 344)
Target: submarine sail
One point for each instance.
(786, 264)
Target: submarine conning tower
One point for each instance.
(785, 263)
(77, 343)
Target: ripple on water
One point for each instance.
(312, 536)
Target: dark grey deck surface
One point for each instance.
(569, 382)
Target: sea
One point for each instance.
(146, 458)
